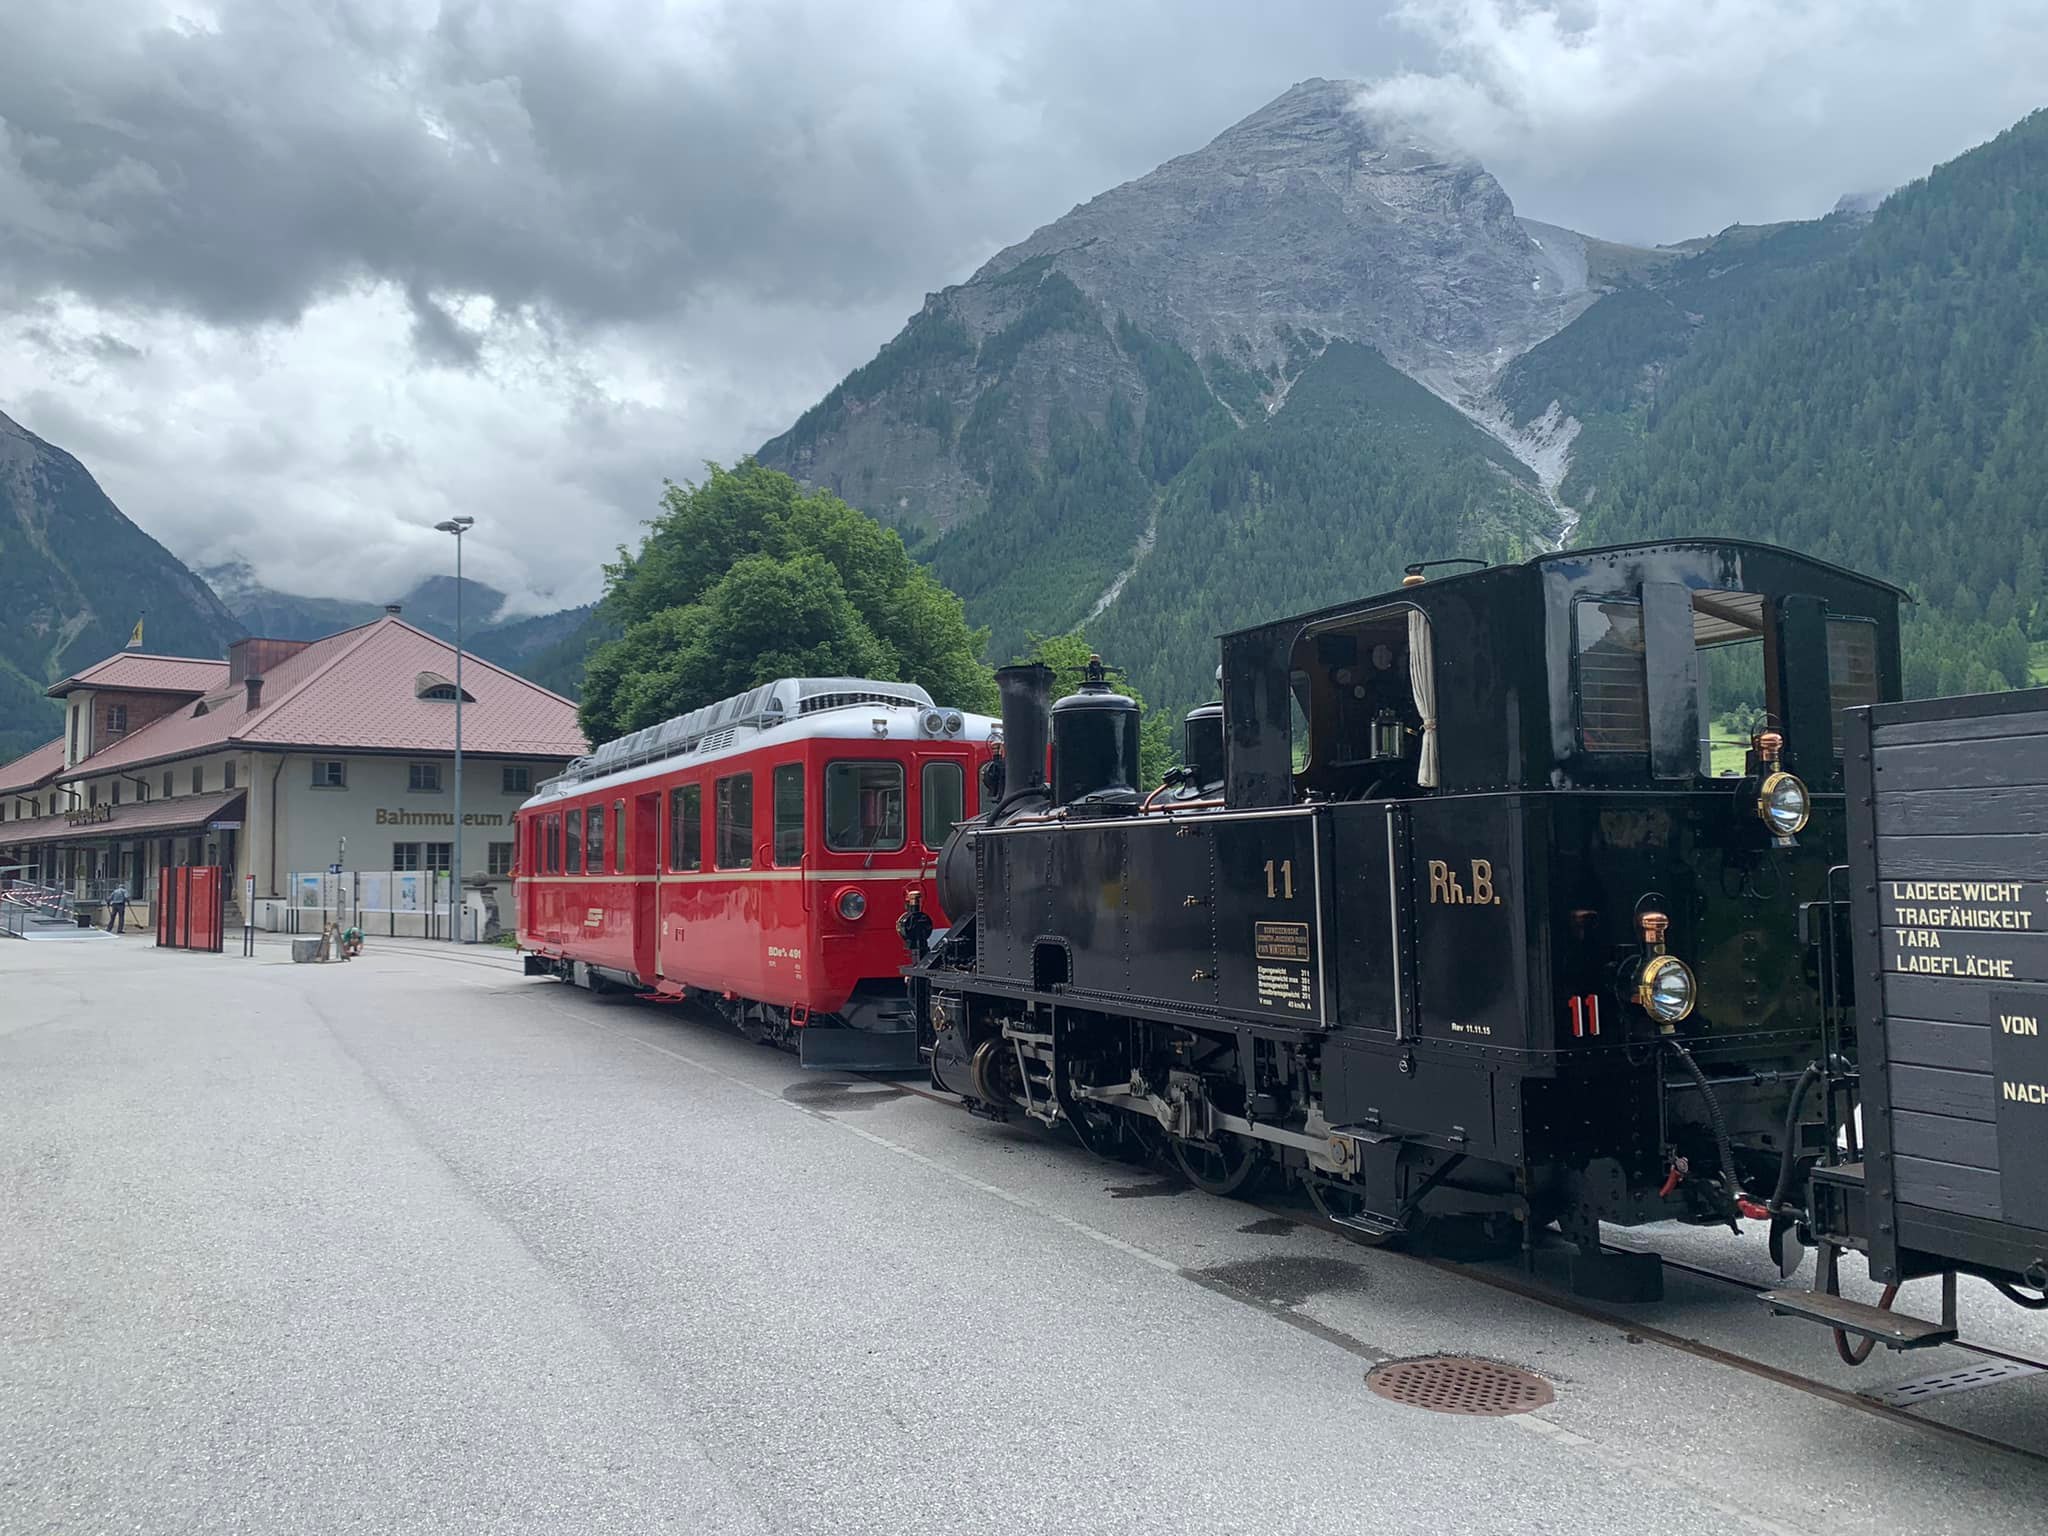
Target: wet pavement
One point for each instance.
(417, 1244)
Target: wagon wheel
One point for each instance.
(1219, 1168)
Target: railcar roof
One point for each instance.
(850, 723)
(1592, 552)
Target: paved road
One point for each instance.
(415, 1244)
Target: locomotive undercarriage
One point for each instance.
(1236, 1109)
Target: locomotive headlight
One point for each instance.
(853, 905)
(1665, 989)
(1783, 803)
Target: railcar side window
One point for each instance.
(734, 812)
(555, 844)
(686, 828)
(1852, 668)
(789, 814)
(863, 806)
(595, 843)
(1613, 689)
(618, 837)
(942, 801)
(575, 838)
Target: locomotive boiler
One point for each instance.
(1459, 915)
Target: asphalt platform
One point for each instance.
(415, 1244)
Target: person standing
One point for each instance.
(117, 908)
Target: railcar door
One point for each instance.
(643, 865)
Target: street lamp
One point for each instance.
(457, 526)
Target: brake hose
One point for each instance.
(1720, 1126)
(1787, 1159)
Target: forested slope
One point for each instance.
(1361, 471)
(1888, 410)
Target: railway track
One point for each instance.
(1892, 1404)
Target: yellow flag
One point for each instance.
(135, 639)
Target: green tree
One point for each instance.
(1068, 656)
(747, 577)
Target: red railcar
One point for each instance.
(754, 855)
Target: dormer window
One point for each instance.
(438, 689)
(117, 719)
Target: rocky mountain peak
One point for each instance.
(1309, 217)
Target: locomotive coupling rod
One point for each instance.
(1333, 1153)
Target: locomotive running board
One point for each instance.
(858, 1050)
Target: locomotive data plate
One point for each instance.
(1968, 954)
(2019, 1058)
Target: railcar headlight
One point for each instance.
(1783, 803)
(853, 905)
(1665, 989)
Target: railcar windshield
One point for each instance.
(864, 806)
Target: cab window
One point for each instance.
(863, 806)
(733, 800)
(1612, 686)
(942, 801)
(1852, 668)
(789, 814)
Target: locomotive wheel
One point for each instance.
(1221, 1169)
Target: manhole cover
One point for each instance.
(1459, 1384)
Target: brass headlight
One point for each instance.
(1783, 803)
(1665, 989)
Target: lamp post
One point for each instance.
(457, 526)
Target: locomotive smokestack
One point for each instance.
(1027, 725)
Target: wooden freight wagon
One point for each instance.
(1948, 941)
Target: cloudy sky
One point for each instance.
(298, 278)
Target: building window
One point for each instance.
(574, 837)
(942, 801)
(863, 806)
(92, 794)
(498, 859)
(594, 844)
(199, 778)
(518, 779)
(789, 814)
(618, 837)
(227, 772)
(405, 856)
(438, 857)
(734, 815)
(168, 791)
(116, 788)
(423, 778)
(328, 773)
(142, 790)
(117, 719)
(686, 828)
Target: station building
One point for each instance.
(289, 756)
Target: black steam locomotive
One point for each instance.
(1452, 914)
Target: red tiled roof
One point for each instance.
(32, 768)
(138, 818)
(354, 691)
(152, 674)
